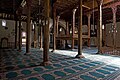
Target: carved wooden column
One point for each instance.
(79, 55)
(73, 28)
(16, 32)
(89, 16)
(114, 10)
(28, 27)
(54, 27)
(46, 34)
(99, 2)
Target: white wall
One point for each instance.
(109, 35)
(118, 35)
(8, 33)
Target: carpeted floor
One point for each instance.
(15, 65)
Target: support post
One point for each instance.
(79, 55)
(73, 28)
(54, 28)
(20, 36)
(104, 32)
(67, 33)
(57, 23)
(28, 28)
(114, 10)
(99, 2)
(35, 36)
(89, 16)
(67, 28)
(41, 36)
(46, 34)
(16, 33)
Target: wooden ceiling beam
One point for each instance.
(107, 5)
(86, 6)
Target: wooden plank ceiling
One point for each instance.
(64, 8)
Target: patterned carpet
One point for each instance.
(15, 65)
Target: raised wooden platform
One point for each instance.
(69, 37)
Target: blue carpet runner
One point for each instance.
(15, 65)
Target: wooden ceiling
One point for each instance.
(9, 6)
(88, 6)
(64, 8)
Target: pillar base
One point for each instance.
(53, 51)
(99, 52)
(72, 49)
(19, 50)
(46, 63)
(79, 56)
(41, 48)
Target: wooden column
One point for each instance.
(20, 36)
(41, 36)
(54, 28)
(99, 2)
(114, 10)
(57, 23)
(73, 28)
(28, 27)
(46, 34)
(89, 16)
(35, 36)
(79, 55)
(16, 33)
(67, 28)
(104, 34)
(67, 33)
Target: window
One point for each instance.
(3, 22)
(23, 38)
(23, 34)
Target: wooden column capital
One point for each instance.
(89, 15)
(114, 9)
(74, 11)
(19, 11)
(99, 2)
(58, 17)
(28, 2)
